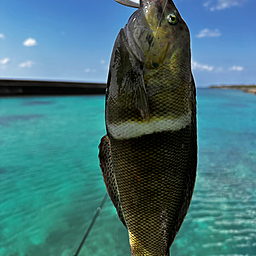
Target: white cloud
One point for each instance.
(206, 4)
(2, 35)
(202, 67)
(209, 33)
(236, 68)
(104, 65)
(30, 42)
(27, 64)
(224, 4)
(4, 61)
(89, 70)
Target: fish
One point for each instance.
(148, 157)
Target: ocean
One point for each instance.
(51, 183)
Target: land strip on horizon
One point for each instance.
(245, 88)
(13, 87)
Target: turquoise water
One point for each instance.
(51, 185)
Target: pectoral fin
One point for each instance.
(126, 69)
(107, 169)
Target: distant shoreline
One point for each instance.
(13, 87)
(245, 88)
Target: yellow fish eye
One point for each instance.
(172, 19)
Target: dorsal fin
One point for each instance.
(130, 3)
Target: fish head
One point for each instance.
(161, 33)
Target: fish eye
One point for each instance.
(172, 19)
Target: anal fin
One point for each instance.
(108, 173)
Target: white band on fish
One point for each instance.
(134, 129)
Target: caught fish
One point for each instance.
(149, 156)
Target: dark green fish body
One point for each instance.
(149, 155)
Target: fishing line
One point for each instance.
(92, 223)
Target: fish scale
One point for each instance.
(167, 169)
(160, 103)
(149, 155)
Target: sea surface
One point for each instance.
(51, 183)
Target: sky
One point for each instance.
(72, 40)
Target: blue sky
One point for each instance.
(72, 40)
